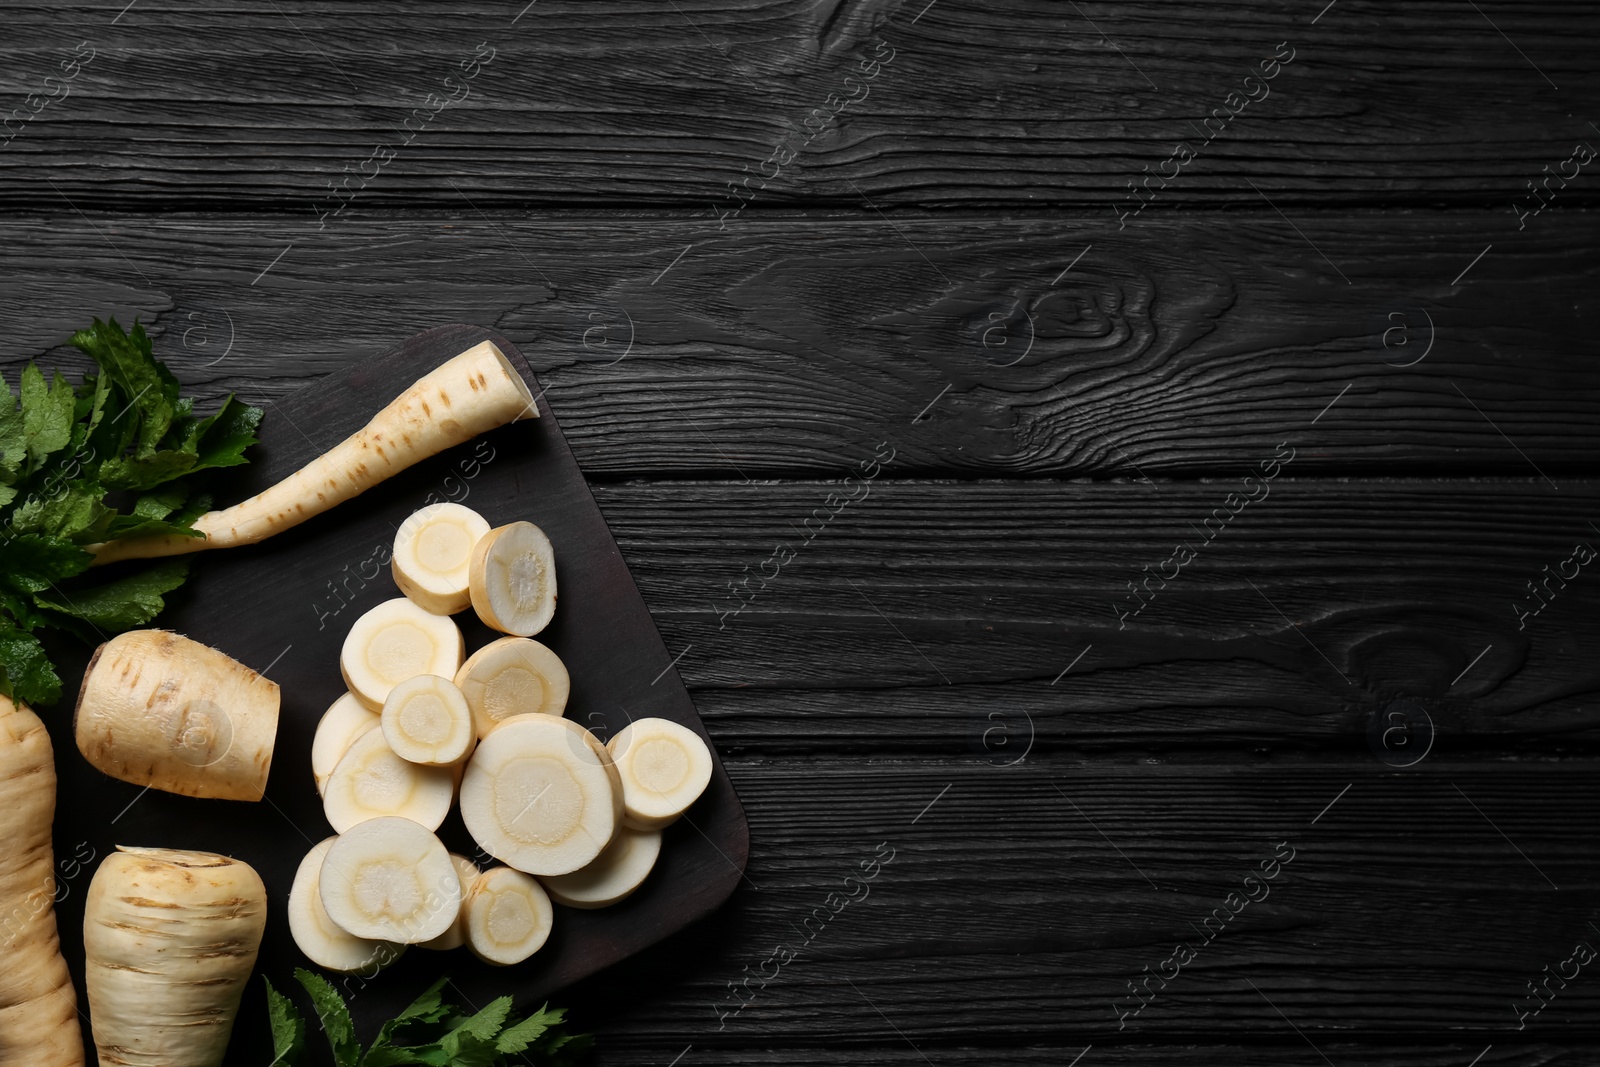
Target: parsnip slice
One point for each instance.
(426, 720)
(664, 768)
(541, 795)
(456, 936)
(614, 874)
(394, 641)
(432, 560)
(390, 880)
(508, 917)
(323, 942)
(514, 579)
(513, 676)
(371, 781)
(344, 721)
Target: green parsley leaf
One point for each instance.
(288, 1030)
(25, 671)
(46, 414)
(74, 513)
(122, 604)
(34, 563)
(13, 435)
(333, 1014)
(146, 384)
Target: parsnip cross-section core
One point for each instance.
(426, 720)
(541, 795)
(513, 676)
(323, 942)
(390, 880)
(394, 641)
(371, 781)
(432, 560)
(508, 916)
(664, 768)
(514, 579)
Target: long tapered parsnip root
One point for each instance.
(456, 936)
(614, 874)
(394, 641)
(170, 938)
(664, 768)
(426, 720)
(471, 394)
(513, 676)
(541, 795)
(432, 560)
(514, 579)
(38, 1007)
(371, 781)
(323, 943)
(345, 721)
(508, 917)
(159, 710)
(390, 880)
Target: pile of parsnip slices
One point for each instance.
(424, 727)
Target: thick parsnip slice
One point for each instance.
(426, 720)
(614, 874)
(664, 768)
(432, 560)
(541, 795)
(322, 941)
(372, 781)
(456, 936)
(394, 641)
(514, 579)
(460, 399)
(508, 917)
(159, 710)
(513, 676)
(38, 1006)
(170, 939)
(344, 721)
(390, 880)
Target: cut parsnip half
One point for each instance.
(390, 880)
(456, 936)
(432, 560)
(344, 721)
(371, 781)
(514, 579)
(513, 676)
(508, 917)
(394, 641)
(614, 874)
(541, 795)
(426, 720)
(664, 768)
(324, 943)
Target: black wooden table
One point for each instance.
(1121, 474)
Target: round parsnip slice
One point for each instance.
(324, 943)
(394, 641)
(514, 579)
(426, 720)
(614, 874)
(513, 676)
(541, 795)
(508, 917)
(390, 880)
(456, 936)
(432, 560)
(664, 768)
(344, 721)
(371, 781)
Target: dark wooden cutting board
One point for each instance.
(284, 606)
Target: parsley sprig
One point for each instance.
(115, 456)
(428, 1032)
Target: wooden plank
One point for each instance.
(589, 104)
(1015, 907)
(895, 1051)
(926, 614)
(796, 346)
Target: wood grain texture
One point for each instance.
(1020, 901)
(626, 103)
(1171, 348)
